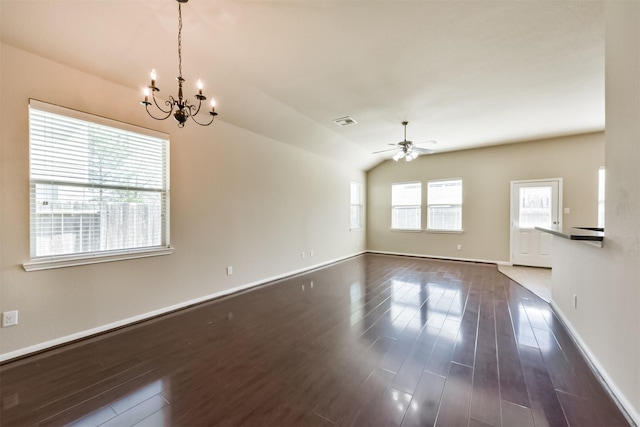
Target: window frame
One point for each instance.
(97, 256)
(359, 205)
(418, 206)
(602, 179)
(430, 205)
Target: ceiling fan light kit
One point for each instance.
(409, 156)
(180, 108)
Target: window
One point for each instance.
(97, 186)
(357, 206)
(406, 199)
(444, 205)
(601, 182)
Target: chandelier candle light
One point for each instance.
(180, 108)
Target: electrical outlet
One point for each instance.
(302, 255)
(459, 247)
(9, 318)
(229, 271)
(575, 301)
(311, 252)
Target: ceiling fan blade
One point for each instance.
(384, 151)
(422, 150)
(425, 142)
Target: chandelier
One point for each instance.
(180, 108)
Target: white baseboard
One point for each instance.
(609, 385)
(483, 261)
(145, 316)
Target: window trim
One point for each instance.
(419, 228)
(441, 230)
(51, 262)
(75, 259)
(436, 231)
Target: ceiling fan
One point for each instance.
(408, 150)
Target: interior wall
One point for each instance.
(486, 176)
(607, 280)
(237, 199)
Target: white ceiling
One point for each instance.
(464, 73)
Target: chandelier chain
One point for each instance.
(180, 40)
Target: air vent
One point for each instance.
(345, 121)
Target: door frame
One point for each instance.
(512, 213)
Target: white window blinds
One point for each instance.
(406, 200)
(96, 185)
(444, 205)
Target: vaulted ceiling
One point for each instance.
(463, 73)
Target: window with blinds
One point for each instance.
(601, 187)
(357, 206)
(97, 186)
(406, 200)
(444, 205)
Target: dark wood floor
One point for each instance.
(372, 341)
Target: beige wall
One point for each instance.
(486, 175)
(237, 199)
(607, 280)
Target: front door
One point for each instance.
(533, 204)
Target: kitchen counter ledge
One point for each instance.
(591, 235)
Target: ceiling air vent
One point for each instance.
(345, 121)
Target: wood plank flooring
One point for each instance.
(372, 341)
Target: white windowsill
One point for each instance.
(61, 261)
(444, 231)
(407, 230)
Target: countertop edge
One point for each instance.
(574, 233)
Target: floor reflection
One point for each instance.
(132, 408)
(405, 299)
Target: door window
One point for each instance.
(535, 207)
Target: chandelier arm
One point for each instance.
(157, 118)
(213, 116)
(168, 103)
(192, 107)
